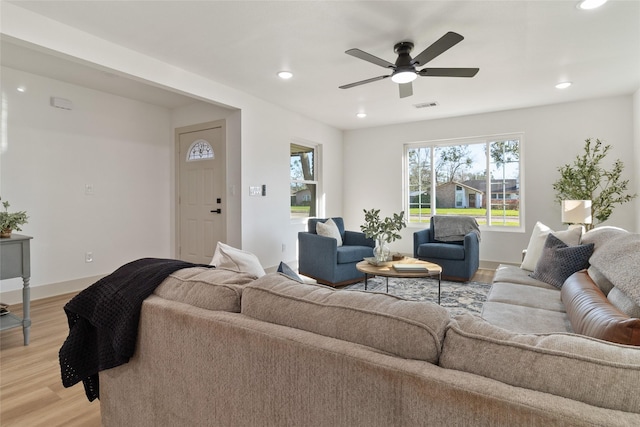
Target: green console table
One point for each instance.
(15, 261)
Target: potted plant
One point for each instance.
(587, 179)
(382, 231)
(11, 221)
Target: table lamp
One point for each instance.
(576, 212)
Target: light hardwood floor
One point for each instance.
(31, 391)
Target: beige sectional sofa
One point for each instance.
(216, 349)
(592, 302)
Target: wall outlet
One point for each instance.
(88, 257)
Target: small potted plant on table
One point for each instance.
(11, 221)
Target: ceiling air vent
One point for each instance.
(425, 105)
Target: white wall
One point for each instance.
(121, 147)
(554, 135)
(258, 154)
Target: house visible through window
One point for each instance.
(304, 181)
(476, 177)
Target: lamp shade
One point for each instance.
(576, 211)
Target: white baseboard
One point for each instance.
(50, 290)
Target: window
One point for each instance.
(478, 177)
(304, 181)
(200, 150)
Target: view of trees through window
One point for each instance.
(480, 179)
(303, 181)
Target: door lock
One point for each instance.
(219, 211)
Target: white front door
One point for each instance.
(201, 189)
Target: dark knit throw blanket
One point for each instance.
(103, 320)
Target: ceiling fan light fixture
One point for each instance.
(590, 4)
(285, 75)
(404, 77)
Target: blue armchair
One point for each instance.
(459, 259)
(321, 258)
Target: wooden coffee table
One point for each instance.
(388, 270)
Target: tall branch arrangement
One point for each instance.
(387, 229)
(587, 179)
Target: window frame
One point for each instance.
(487, 140)
(317, 181)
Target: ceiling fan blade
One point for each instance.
(369, 58)
(362, 82)
(441, 45)
(406, 89)
(448, 72)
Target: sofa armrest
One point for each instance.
(356, 238)
(420, 237)
(471, 241)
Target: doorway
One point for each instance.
(201, 215)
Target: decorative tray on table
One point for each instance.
(372, 261)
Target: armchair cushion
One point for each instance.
(442, 250)
(348, 254)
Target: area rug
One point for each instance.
(457, 297)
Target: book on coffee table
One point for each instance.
(410, 267)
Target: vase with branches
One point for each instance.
(588, 179)
(382, 231)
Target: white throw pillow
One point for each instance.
(570, 237)
(329, 229)
(230, 258)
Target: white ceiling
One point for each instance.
(523, 48)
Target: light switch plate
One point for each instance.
(255, 190)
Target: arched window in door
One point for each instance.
(200, 150)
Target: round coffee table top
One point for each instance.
(389, 271)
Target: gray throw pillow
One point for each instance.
(559, 261)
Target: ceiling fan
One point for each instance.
(404, 70)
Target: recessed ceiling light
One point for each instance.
(563, 85)
(590, 4)
(285, 75)
(22, 89)
(361, 115)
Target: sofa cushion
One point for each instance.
(593, 315)
(622, 302)
(208, 288)
(529, 296)
(580, 368)
(407, 329)
(570, 237)
(230, 258)
(524, 319)
(559, 261)
(512, 274)
(329, 229)
(452, 250)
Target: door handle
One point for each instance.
(219, 211)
